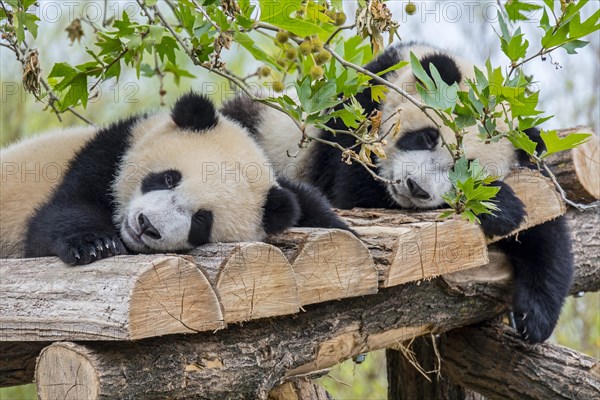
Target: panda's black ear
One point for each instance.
(281, 210)
(446, 66)
(195, 112)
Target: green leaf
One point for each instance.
(555, 143)
(394, 67)
(521, 141)
(420, 72)
(177, 72)
(571, 47)
(378, 92)
(516, 48)
(250, 45)
(518, 10)
(279, 14)
(166, 48)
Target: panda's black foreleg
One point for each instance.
(543, 269)
(509, 216)
(77, 233)
(315, 210)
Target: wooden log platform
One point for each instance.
(253, 280)
(43, 301)
(252, 359)
(578, 170)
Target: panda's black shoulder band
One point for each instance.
(446, 66)
(194, 111)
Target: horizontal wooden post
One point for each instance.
(252, 359)
(479, 357)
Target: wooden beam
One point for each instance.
(329, 264)
(303, 389)
(252, 359)
(480, 357)
(121, 298)
(253, 280)
(578, 170)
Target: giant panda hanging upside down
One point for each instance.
(150, 183)
(418, 164)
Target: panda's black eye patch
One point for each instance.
(422, 139)
(163, 180)
(201, 227)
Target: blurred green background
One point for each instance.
(577, 80)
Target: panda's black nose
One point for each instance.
(147, 228)
(416, 190)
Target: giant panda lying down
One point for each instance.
(150, 183)
(541, 256)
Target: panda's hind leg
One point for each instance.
(543, 269)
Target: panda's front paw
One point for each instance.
(88, 247)
(535, 315)
(509, 216)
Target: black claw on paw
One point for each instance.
(88, 247)
(535, 318)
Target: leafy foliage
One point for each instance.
(299, 45)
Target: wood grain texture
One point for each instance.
(329, 264)
(481, 357)
(121, 298)
(578, 170)
(253, 280)
(248, 361)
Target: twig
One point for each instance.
(15, 47)
(105, 69)
(338, 30)
(563, 194)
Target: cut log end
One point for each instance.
(63, 371)
(173, 296)
(328, 264)
(254, 280)
(586, 160)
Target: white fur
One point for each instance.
(278, 135)
(223, 171)
(430, 169)
(31, 168)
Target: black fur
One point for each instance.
(195, 112)
(509, 217)
(75, 224)
(161, 180)
(541, 256)
(315, 209)
(543, 270)
(422, 139)
(281, 211)
(245, 111)
(202, 222)
(446, 66)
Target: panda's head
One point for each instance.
(192, 177)
(416, 158)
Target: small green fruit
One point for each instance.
(291, 53)
(282, 37)
(315, 72)
(322, 57)
(305, 47)
(316, 45)
(278, 86)
(340, 19)
(410, 8)
(264, 71)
